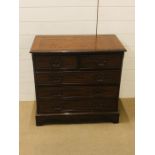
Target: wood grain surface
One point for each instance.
(76, 43)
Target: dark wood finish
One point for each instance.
(47, 62)
(77, 78)
(78, 91)
(80, 117)
(101, 61)
(58, 105)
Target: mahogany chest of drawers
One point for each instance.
(77, 78)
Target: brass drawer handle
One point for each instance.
(97, 92)
(102, 64)
(56, 65)
(100, 79)
(57, 80)
(57, 108)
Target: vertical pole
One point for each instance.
(97, 16)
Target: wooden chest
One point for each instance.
(77, 78)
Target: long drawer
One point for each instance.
(77, 91)
(78, 77)
(83, 61)
(75, 105)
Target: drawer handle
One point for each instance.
(100, 80)
(102, 64)
(96, 95)
(56, 79)
(56, 65)
(97, 92)
(57, 109)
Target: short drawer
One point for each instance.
(79, 77)
(101, 61)
(50, 62)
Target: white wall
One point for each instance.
(75, 17)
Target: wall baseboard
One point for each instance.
(132, 100)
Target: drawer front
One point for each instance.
(49, 62)
(49, 105)
(48, 78)
(102, 104)
(92, 77)
(77, 91)
(77, 77)
(105, 104)
(75, 105)
(49, 92)
(101, 61)
(90, 91)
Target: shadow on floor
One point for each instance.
(33, 113)
(123, 114)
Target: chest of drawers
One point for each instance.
(77, 78)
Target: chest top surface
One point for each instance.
(76, 43)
